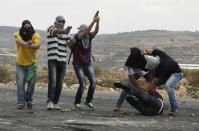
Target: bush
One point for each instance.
(192, 76)
(98, 70)
(6, 73)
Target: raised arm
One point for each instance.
(62, 31)
(94, 33)
(88, 29)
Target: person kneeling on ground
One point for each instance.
(134, 74)
(148, 103)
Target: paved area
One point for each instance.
(100, 119)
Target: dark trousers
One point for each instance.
(56, 72)
(145, 103)
(88, 71)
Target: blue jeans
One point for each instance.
(123, 95)
(170, 84)
(56, 72)
(145, 103)
(24, 95)
(88, 71)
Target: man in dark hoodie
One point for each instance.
(133, 76)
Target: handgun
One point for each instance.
(96, 14)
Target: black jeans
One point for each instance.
(81, 71)
(145, 103)
(56, 72)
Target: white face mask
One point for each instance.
(59, 25)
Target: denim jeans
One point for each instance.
(82, 71)
(123, 95)
(56, 72)
(170, 84)
(24, 95)
(145, 103)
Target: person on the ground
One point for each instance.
(134, 74)
(148, 103)
(27, 42)
(166, 71)
(57, 37)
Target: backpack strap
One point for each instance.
(93, 57)
(70, 56)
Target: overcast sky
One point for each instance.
(116, 15)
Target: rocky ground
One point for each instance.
(100, 119)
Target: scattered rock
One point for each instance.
(193, 115)
(74, 86)
(64, 86)
(101, 88)
(111, 89)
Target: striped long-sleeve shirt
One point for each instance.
(57, 45)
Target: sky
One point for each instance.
(115, 15)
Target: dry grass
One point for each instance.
(192, 76)
(105, 77)
(7, 73)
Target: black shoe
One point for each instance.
(174, 112)
(122, 86)
(20, 106)
(29, 105)
(132, 100)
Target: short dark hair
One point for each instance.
(135, 59)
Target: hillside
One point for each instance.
(111, 50)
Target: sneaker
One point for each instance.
(77, 107)
(89, 104)
(49, 105)
(56, 107)
(122, 86)
(20, 106)
(29, 105)
(174, 112)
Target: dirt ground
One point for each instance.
(100, 119)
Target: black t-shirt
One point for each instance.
(167, 66)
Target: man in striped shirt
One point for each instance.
(57, 37)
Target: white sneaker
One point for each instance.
(56, 107)
(49, 105)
